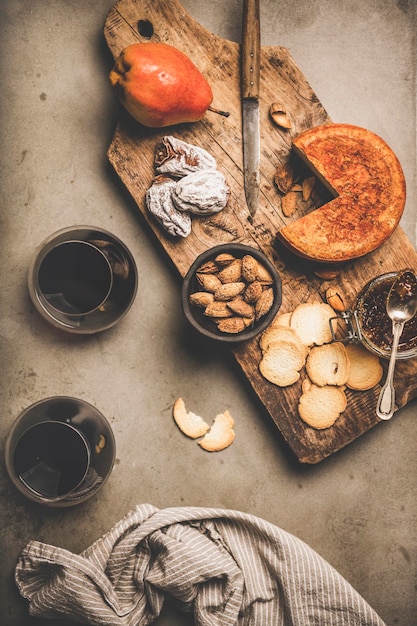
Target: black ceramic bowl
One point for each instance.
(205, 325)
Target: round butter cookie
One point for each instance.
(281, 364)
(282, 319)
(275, 334)
(320, 407)
(311, 322)
(328, 364)
(365, 368)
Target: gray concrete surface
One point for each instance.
(358, 509)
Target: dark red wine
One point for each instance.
(51, 458)
(75, 277)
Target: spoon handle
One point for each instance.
(386, 401)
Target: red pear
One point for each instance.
(159, 85)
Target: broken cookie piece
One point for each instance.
(221, 434)
(215, 438)
(189, 423)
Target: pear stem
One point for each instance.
(219, 112)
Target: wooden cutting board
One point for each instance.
(132, 153)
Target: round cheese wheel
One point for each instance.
(367, 182)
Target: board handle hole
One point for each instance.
(145, 28)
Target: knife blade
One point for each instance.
(250, 73)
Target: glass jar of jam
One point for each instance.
(369, 323)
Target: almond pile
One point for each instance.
(234, 292)
(291, 188)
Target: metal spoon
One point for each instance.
(401, 307)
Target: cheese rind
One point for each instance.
(366, 178)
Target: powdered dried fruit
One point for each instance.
(203, 192)
(179, 158)
(159, 203)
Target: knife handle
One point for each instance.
(250, 49)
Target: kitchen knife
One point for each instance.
(250, 70)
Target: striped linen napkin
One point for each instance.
(225, 567)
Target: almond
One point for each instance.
(307, 187)
(264, 303)
(228, 291)
(209, 282)
(210, 267)
(279, 115)
(263, 275)
(289, 203)
(231, 325)
(249, 268)
(240, 307)
(253, 292)
(217, 309)
(284, 177)
(201, 298)
(327, 274)
(232, 272)
(335, 300)
(224, 258)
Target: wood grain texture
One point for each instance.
(251, 49)
(132, 152)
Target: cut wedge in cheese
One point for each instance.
(366, 179)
